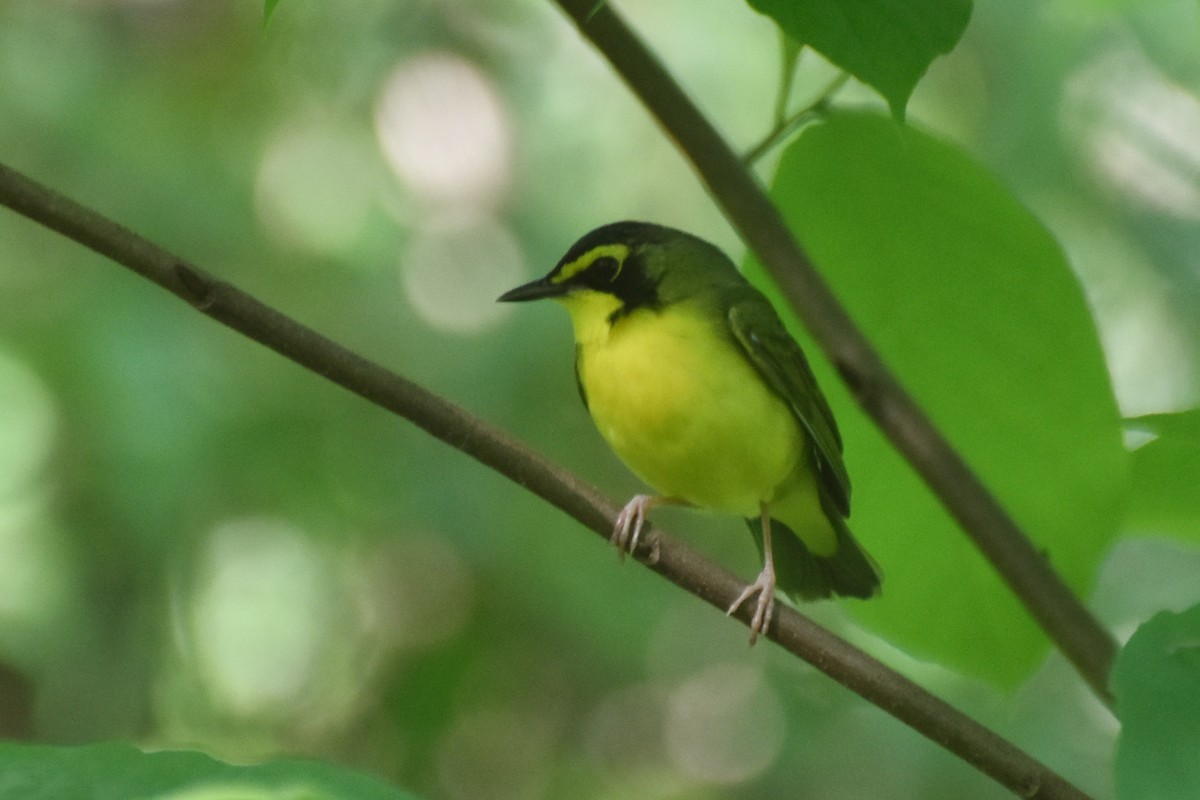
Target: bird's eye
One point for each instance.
(602, 272)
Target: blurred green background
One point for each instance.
(202, 545)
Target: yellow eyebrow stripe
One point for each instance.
(618, 252)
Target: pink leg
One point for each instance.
(763, 586)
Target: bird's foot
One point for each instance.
(764, 608)
(628, 530)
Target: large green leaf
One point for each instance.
(970, 301)
(122, 772)
(887, 44)
(1157, 685)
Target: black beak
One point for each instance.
(535, 290)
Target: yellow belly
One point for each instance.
(688, 413)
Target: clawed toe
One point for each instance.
(627, 533)
(764, 607)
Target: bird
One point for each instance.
(696, 385)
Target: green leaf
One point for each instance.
(971, 303)
(122, 772)
(887, 44)
(1163, 500)
(268, 10)
(1157, 685)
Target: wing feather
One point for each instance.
(782, 364)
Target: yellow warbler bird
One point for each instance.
(697, 386)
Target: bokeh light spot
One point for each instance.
(313, 189)
(454, 270)
(444, 131)
(27, 425)
(36, 579)
(725, 724)
(1138, 131)
(259, 619)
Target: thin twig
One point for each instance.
(787, 125)
(790, 52)
(1080, 637)
(665, 554)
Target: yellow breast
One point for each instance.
(682, 406)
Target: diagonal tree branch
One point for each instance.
(670, 557)
(1049, 600)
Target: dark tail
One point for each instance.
(803, 575)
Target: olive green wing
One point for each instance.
(777, 357)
